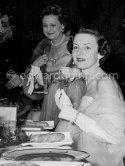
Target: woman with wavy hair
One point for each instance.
(100, 118)
(50, 54)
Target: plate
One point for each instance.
(31, 128)
(37, 124)
(41, 154)
(41, 163)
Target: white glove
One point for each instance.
(34, 72)
(68, 113)
(61, 99)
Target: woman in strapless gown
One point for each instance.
(98, 125)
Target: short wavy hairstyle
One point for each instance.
(57, 11)
(103, 45)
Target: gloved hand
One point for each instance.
(61, 99)
(64, 103)
(68, 113)
(34, 72)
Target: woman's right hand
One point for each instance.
(62, 100)
(14, 82)
(40, 61)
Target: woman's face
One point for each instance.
(52, 28)
(85, 50)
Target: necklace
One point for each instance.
(57, 44)
(53, 61)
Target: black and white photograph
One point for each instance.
(62, 83)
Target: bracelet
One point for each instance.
(76, 117)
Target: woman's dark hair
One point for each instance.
(57, 11)
(103, 49)
(103, 46)
(70, 44)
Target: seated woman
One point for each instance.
(49, 56)
(100, 118)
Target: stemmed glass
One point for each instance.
(39, 88)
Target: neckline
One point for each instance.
(55, 45)
(92, 73)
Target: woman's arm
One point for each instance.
(26, 88)
(109, 86)
(32, 96)
(86, 123)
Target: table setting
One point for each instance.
(42, 147)
(35, 143)
(46, 148)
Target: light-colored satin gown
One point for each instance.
(104, 111)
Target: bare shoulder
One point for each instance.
(108, 85)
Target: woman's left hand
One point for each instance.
(61, 99)
(68, 113)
